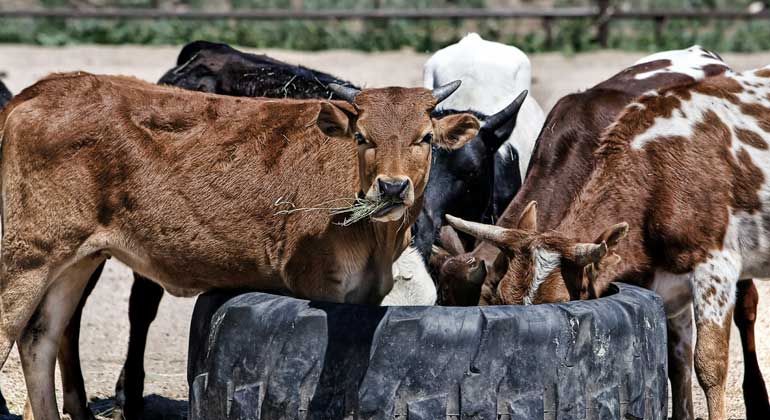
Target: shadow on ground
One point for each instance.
(156, 407)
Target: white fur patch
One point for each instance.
(412, 285)
(690, 61)
(720, 272)
(677, 125)
(545, 263)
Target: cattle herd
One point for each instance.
(459, 193)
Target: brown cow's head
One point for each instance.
(545, 267)
(394, 131)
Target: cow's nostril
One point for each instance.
(393, 189)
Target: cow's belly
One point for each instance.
(675, 289)
(200, 262)
(337, 283)
(185, 272)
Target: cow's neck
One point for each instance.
(390, 241)
(614, 193)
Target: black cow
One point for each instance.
(461, 178)
(5, 95)
(219, 68)
(474, 180)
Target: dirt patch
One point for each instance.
(105, 321)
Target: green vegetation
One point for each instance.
(569, 36)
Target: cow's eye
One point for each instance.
(427, 138)
(360, 139)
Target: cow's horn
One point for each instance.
(590, 253)
(344, 92)
(443, 92)
(508, 113)
(478, 230)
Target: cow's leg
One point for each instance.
(754, 390)
(3, 406)
(39, 343)
(21, 290)
(142, 309)
(713, 289)
(73, 386)
(680, 363)
(676, 291)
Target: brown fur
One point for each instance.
(104, 165)
(563, 157)
(704, 157)
(754, 388)
(751, 138)
(677, 195)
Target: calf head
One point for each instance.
(395, 133)
(462, 180)
(544, 267)
(199, 66)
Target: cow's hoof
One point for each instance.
(260, 356)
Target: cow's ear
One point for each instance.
(613, 235)
(336, 119)
(528, 218)
(454, 131)
(602, 249)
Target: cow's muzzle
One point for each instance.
(397, 194)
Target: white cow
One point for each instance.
(493, 74)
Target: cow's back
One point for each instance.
(157, 167)
(563, 157)
(700, 152)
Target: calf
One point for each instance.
(563, 156)
(678, 203)
(561, 164)
(464, 179)
(216, 68)
(98, 166)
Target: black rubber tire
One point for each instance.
(260, 356)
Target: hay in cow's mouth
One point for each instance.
(357, 209)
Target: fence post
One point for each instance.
(548, 27)
(603, 22)
(660, 26)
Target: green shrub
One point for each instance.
(569, 36)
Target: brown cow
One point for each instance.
(683, 174)
(562, 162)
(183, 186)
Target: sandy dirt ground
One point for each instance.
(105, 323)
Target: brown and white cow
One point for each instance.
(684, 176)
(563, 157)
(183, 186)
